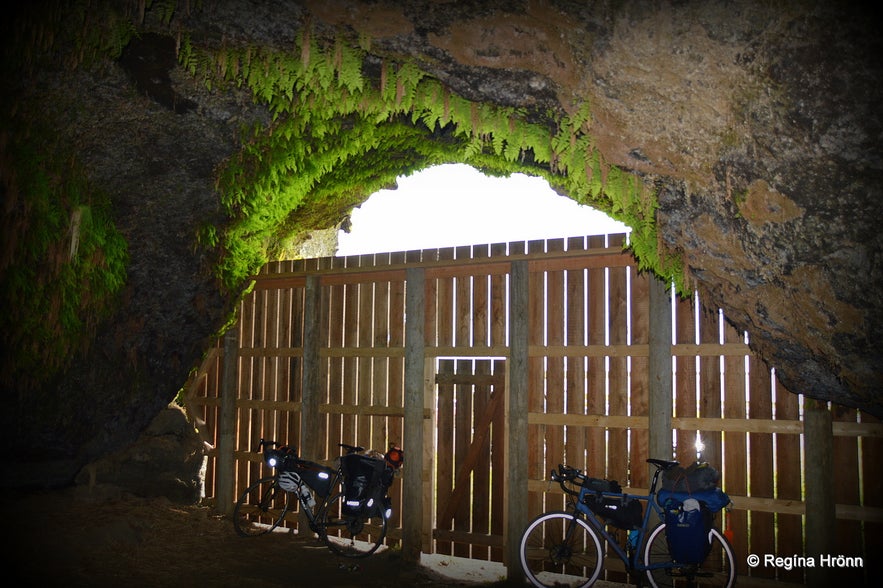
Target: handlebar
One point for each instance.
(263, 444)
(566, 474)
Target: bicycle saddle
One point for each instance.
(663, 464)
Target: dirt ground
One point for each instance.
(73, 538)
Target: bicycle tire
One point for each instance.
(349, 536)
(548, 558)
(717, 570)
(261, 508)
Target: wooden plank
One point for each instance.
(660, 401)
(821, 515)
(789, 481)
(226, 487)
(710, 405)
(685, 381)
(380, 410)
(445, 455)
(598, 256)
(555, 305)
(847, 491)
(596, 402)
(365, 364)
(598, 421)
(498, 297)
(380, 372)
(575, 370)
(480, 303)
(483, 403)
(639, 439)
(517, 451)
(536, 391)
(760, 466)
(618, 400)
(350, 364)
(498, 464)
(335, 366)
(444, 335)
(396, 373)
(412, 504)
(310, 378)
(735, 479)
(462, 442)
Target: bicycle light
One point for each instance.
(272, 459)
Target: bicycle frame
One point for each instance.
(632, 561)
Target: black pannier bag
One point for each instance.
(697, 477)
(316, 476)
(365, 481)
(620, 511)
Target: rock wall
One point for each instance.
(758, 124)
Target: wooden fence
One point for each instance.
(492, 364)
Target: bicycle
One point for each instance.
(347, 529)
(563, 548)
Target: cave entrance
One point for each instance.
(456, 204)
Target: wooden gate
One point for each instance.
(469, 451)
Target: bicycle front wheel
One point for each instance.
(560, 549)
(718, 569)
(261, 508)
(350, 536)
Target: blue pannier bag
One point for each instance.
(689, 517)
(688, 530)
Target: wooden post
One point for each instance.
(516, 469)
(227, 424)
(660, 401)
(821, 538)
(412, 499)
(309, 415)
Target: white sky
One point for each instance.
(449, 205)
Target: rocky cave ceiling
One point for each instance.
(753, 127)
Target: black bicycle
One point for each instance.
(563, 548)
(346, 507)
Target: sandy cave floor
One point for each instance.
(74, 538)
(67, 538)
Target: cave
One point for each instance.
(156, 155)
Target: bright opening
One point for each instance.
(451, 205)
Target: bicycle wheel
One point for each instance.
(261, 508)
(718, 569)
(559, 549)
(349, 536)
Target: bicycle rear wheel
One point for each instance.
(559, 549)
(350, 536)
(261, 508)
(718, 569)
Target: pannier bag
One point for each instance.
(688, 530)
(695, 478)
(620, 511)
(365, 481)
(316, 476)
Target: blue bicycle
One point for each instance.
(564, 548)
